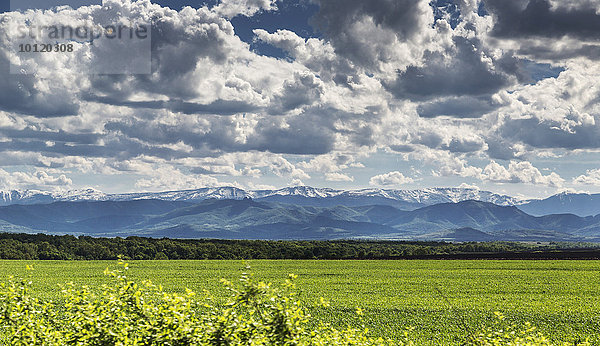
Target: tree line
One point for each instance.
(69, 247)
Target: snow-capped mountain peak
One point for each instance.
(417, 198)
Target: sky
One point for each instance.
(500, 95)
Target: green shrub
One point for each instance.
(127, 313)
(512, 335)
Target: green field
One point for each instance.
(439, 298)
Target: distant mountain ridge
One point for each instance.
(581, 204)
(300, 195)
(251, 219)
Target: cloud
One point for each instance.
(463, 71)
(282, 167)
(464, 145)
(390, 179)
(371, 33)
(167, 178)
(459, 139)
(35, 180)
(547, 29)
(516, 18)
(519, 172)
(317, 55)
(338, 177)
(248, 8)
(296, 182)
(423, 82)
(469, 186)
(500, 149)
(300, 134)
(591, 177)
(402, 148)
(458, 106)
(569, 133)
(304, 90)
(559, 113)
(330, 163)
(26, 94)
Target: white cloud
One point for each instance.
(383, 77)
(591, 177)
(338, 177)
(38, 179)
(561, 113)
(248, 8)
(282, 167)
(296, 182)
(330, 163)
(167, 178)
(520, 172)
(390, 179)
(469, 186)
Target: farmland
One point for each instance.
(441, 299)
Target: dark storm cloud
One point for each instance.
(304, 140)
(550, 134)
(61, 148)
(19, 93)
(301, 135)
(537, 18)
(303, 90)
(218, 107)
(60, 143)
(398, 15)
(402, 148)
(403, 17)
(461, 145)
(60, 136)
(180, 40)
(460, 107)
(160, 134)
(463, 74)
(434, 140)
(175, 51)
(499, 148)
(545, 51)
(179, 43)
(429, 139)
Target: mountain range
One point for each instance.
(299, 195)
(251, 219)
(302, 212)
(578, 204)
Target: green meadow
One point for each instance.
(442, 300)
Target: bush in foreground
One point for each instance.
(509, 335)
(127, 313)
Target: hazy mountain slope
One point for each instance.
(578, 204)
(83, 217)
(475, 214)
(252, 219)
(489, 217)
(248, 219)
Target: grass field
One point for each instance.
(439, 298)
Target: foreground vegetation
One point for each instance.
(128, 313)
(68, 247)
(123, 312)
(444, 301)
